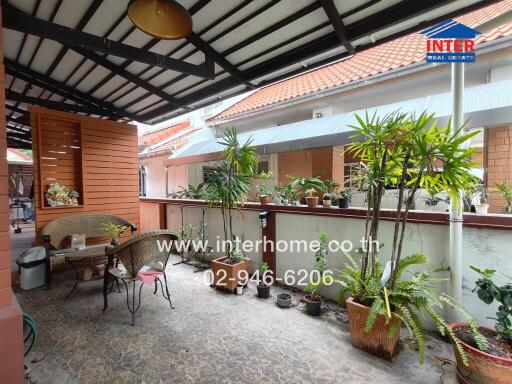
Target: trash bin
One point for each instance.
(32, 268)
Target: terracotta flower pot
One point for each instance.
(264, 199)
(376, 341)
(312, 201)
(483, 368)
(228, 276)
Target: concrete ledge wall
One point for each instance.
(485, 248)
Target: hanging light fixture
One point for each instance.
(164, 19)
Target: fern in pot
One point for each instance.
(402, 151)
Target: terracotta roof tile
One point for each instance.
(152, 138)
(389, 56)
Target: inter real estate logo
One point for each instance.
(450, 42)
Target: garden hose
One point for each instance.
(30, 336)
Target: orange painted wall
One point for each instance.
(328, 161)
(152, 217)
(109, 167)
(11, 321)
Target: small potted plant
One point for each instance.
(284, 300)
(488, 354)
(314, 301)
(291, 194)
(114, 231)
(506, 192)
(311, 198)
(345, 198)
(483, 204)
(279, 195)
(263, 189)
(327, 200)
(263, 287)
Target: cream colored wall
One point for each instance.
(155, 176)
(245, 224)
(485, 248)
(178, 177)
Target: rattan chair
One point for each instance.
(150, 249)
(56, 235)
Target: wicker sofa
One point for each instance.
(56, 234)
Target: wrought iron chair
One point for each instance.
(152, 250)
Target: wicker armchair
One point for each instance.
(56, 234)
(150, 249)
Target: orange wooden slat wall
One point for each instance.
(107, 178)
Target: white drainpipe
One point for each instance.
(456, 208)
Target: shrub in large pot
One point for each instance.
(401, 151)
(228, 189)
(487, 360)
(230, 271)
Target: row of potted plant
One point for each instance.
(308, 189)
(402, 150)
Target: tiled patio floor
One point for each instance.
(211, 337)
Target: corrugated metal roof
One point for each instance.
(486, 104)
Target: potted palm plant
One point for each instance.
(488, 355)
(506, 192)
(303, 184)
(262, 287)
(401, 150)
(228, 189)
(313, 300)
(264, 192)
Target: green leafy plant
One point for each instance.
(262, 271)
(280, 191)
(310, 192)
(229, 183)
(263, 188)
(114, 231)
(302, 184)
(506, 192)
(235, 256)
(346, 193)
(409, 153)
(412, 295)
(488, 291)
(320, 266)
(190, 192)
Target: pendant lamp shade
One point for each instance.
(164, 19)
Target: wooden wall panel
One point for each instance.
(109, 166)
